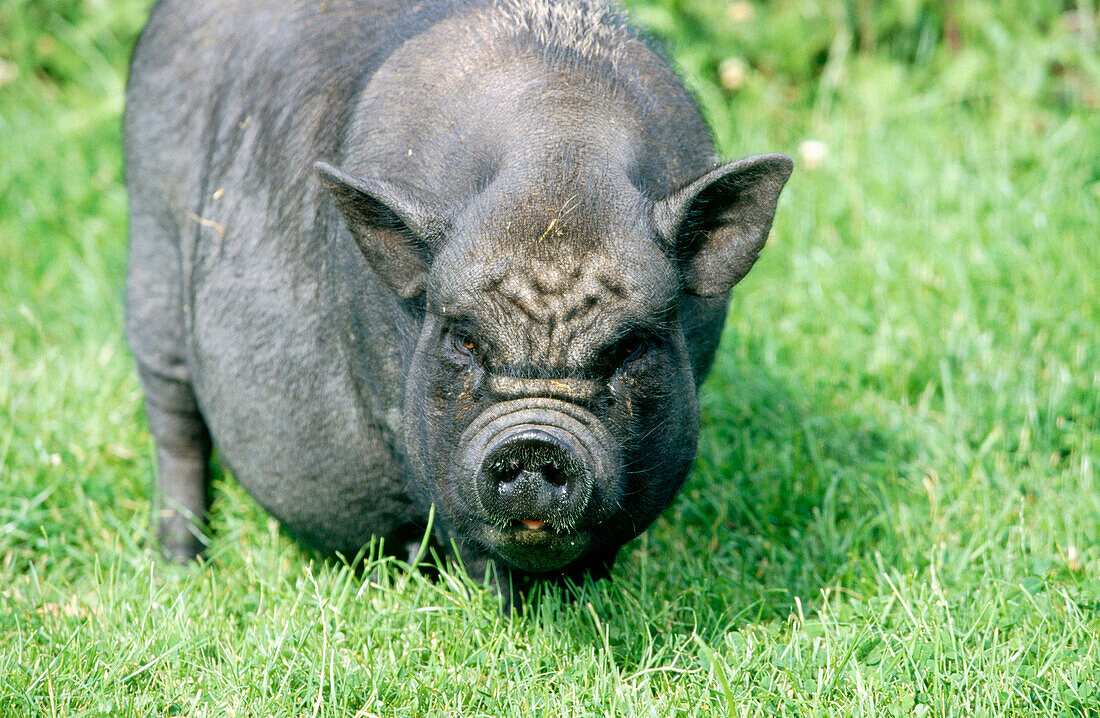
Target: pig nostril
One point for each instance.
(553, 475)
(505, 472)
(532, 475)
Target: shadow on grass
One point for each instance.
(793, 493)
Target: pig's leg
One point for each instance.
(596, 566)
(156, 330)
(183, 470)
(514, 587)
(511, 586)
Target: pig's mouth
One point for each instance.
(540, 473)
(535, 550)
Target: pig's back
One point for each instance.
(295, 367)
(260, 82)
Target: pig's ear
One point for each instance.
(394, 226)
(718, 222)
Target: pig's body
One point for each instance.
(258, 319)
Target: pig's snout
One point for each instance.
(534, 475)
(538, 461)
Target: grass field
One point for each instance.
(895, 510)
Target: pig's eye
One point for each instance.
(463, 343)
(627, 351)
(632, 348)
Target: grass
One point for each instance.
(895, 510)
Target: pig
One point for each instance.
(459, 259)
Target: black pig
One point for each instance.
(387, 255)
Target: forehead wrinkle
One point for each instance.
(528, 327)
(587, 309)
(561, 304)
(545, 293)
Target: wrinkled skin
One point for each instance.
(470, 255)
(580, 333)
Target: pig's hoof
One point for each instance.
(180, 547)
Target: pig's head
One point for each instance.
(550, 405)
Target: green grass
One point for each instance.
(895, 509)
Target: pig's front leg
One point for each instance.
(510, 585)
(514, 587)
(183, 450)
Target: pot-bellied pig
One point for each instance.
(465, 254)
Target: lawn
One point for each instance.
(896, 506)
